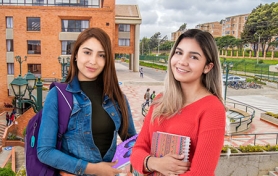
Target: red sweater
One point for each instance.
(203, 121)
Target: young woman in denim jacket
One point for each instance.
(100, 112)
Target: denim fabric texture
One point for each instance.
(78, 147)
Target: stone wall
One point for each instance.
(251, 164)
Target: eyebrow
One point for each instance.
(191, 52)
(92, 50)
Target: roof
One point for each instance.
(127, 11)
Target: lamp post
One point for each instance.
(64, 65)
(19, 60)
(227, 67)
(20, 85)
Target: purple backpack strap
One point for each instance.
(65, 102)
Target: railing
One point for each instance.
(270, 138)
(246, 112)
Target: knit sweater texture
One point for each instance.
(203, 121)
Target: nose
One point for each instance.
(93, 59)
(183, 60)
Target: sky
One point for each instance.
(166, 16)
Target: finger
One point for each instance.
(179, 157)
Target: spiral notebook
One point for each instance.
(164, 143)
(123, 152)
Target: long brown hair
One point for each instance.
(172, 100)
(108, 75)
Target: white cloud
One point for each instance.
(166, 16)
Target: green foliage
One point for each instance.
(22, 171)
(7, 171)
(24, 132)
(251, 148)
(260, 61)
(270, 148)
(151, 65)
(272, 114)
(226, 147)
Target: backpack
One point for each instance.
(152, 96)
(145, 96)
(33, 166)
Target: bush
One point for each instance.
(226, 147)
(251, 148)
(22, 171)
(6, 171)
(272, 114)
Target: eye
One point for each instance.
(194, 57)
(178, 52)
(87, 52)
(102, 55)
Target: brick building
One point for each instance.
(234, 25)
(44, 30)
(215, 28)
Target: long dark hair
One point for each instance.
(108, 75)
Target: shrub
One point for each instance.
(7, 170)
(272, 114)
(226, 147)
(251, 148)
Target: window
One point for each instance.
(10, 45)
(10, 67)
(9, 22)
(124, 42)
(124, 28)
(34, 47)
(35, 68)
(33, 24)
(67, 47)
(74, 25)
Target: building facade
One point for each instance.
(234, 25)
(215, 28)
(44, 30)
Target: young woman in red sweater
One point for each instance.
(190, 105)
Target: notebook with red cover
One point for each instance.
(165, 143)
(123, 152)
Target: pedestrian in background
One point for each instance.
(147, 97)
(152, 96)
(190, 105)
(11, 118)
(7, 119)
(141, 72)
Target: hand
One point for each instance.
(63, 173)
(103, 169)
(170, 164)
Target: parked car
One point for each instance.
(234, 78)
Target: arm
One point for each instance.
(47, 138)
(210, 142)
(142, 146)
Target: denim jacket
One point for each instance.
(78, 147)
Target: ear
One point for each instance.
(208, 67)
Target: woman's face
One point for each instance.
(189, 62)
(90, 60)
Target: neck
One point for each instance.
(193, 93)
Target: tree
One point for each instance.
(182, 27)
(261, 26)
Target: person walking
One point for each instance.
(7, 118)
(147, 97)
(191, 105)
(11, 118)
(141, 72)
(152, 96)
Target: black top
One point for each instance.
(102, 125)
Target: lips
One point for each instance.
(181, 70)
(91, 69)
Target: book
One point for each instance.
(165, 143)
(123, 152)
